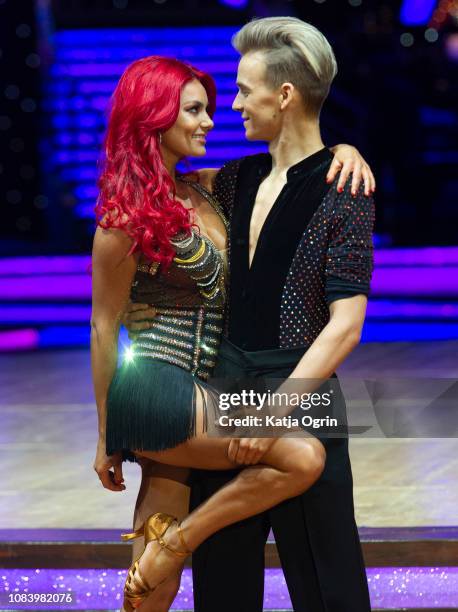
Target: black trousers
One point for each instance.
(315, 533)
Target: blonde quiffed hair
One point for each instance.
(295, 52)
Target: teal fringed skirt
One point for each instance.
(150, 406)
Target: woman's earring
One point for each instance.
(160, 137)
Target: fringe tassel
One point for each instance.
(151, 405)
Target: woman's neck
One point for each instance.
(170, 163)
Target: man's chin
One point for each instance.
(250, 135)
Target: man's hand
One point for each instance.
(348, 160)
(112, 480)
(248, 451)
(137, 317)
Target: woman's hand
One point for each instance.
(137, 317)
(112, 480)
(248, 451)
(348, 160)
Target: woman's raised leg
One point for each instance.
(289, 468)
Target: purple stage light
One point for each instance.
(405, 587)
(71, 264)
(451, 46)
(28, 266)
(385, 309)
(415, 281)
(428, 256)
(387, 281)
(19, 340)
(69, 287)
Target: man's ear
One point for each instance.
(286, 94)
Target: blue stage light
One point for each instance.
(417, 12)
(390, 331)
(236, 4)
(88, 64)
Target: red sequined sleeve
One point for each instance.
(349, 260)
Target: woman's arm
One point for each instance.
(207, 177)
(112, 273)
(348, 160)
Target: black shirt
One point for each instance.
(255, 294)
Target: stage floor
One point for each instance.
(48, 435)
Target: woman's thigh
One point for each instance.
(211, 453)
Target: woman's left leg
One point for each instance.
(163, 488)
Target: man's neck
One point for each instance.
(296, 141)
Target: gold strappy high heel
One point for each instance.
(136, 588)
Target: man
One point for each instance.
(301, 260)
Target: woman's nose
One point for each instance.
(207, 123)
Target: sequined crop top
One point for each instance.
(189, 298)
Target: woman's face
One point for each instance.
(187, 136)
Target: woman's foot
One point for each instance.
(163, 596)
(159, 562)
(162, 558)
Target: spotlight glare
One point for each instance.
(129, 354)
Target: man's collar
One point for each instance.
(309, 163)
(303, 167)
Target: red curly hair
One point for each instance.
(137, 193)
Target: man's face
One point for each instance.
(256, 100)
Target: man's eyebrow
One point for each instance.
(241, 84)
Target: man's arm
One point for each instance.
(348, 272)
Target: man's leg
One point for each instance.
(318, 541)
(228, 568)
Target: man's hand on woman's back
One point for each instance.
(137, 317)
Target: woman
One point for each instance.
(152, 246)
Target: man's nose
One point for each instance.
(236, 104)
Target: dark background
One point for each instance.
(395, 98)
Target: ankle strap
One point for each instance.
(183, 541)
(179, 553)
